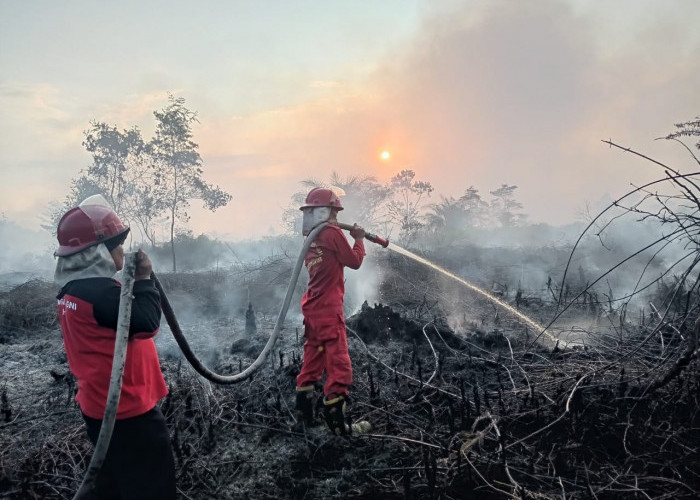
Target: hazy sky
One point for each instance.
(465, 93)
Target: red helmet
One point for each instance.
(322, 197)
(88, 224)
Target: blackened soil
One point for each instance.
(482, 413)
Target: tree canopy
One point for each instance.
(399, 205)
(177, 167)
(146, 182)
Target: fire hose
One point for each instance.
(239, 377)
(122, 338)
(368, 236)
(197, 364)
(115, 382)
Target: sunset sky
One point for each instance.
(465, 93)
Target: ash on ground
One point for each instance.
(485, 413)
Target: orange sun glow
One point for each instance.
(385, 155)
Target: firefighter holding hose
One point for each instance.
(326, 344)
(139, 461)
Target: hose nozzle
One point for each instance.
(376, 239)
(368, 236)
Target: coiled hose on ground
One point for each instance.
(120, 345)
(255, 365)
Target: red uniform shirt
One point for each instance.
(325, 259)
(82, 306)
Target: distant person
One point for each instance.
(139, 461)
(326, 343)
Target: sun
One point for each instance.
(385, 155)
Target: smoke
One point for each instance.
(520, 92)
(476, 93)
(363, 284)
(484, 93)
(25, 254)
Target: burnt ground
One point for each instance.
(484, 412)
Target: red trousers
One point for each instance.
(326, 349)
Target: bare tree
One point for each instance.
(404, 208)
(178, 167)
(690, 128)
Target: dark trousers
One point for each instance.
(139, 462)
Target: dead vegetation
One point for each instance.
(464, 400)
(28, 306)
(484, 415)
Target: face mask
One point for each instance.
(313, 217)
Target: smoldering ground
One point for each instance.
(462, 400)
(465, 399)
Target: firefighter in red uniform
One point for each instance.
(326, 344)
(139, 461)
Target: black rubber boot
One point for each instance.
(305, 405)
(334, 411)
